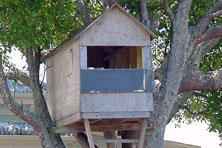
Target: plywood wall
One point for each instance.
(63, 81)
(115, 29)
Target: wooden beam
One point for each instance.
(88, 133)
(83, 57)
(139, 57)
(98, 128)
(147, 57)
(143, 133)
(116, 141)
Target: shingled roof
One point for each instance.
(19, 88)
(8, 127)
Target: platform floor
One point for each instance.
(101, 125)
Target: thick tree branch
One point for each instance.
(154, 21)
(168, 10)
(144, 18)
(201, 81)
(33, 60)
(201, 27)
(212, 32)
(176, 62)
(13, 106)
(180, 101)
(200, 50)
(84, 12)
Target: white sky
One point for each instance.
(16, 58)
(195, 134)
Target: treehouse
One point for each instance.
(101, 78)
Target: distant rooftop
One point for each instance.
(15, 128)
(19, 88)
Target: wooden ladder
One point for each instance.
(116, 141)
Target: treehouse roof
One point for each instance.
(86, 28)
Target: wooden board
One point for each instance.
(115, 28)
(101, 125)
(147, 57)
(115, 115)
(98, 128)
(116, 102)
(117, 141)
(63, 82)
(116, 80)
(139, 58)
(83, 57)
(89, 133)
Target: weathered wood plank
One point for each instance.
(88, 133)
(63, 81)
(116, 103)
(98, 128)
(116, 80)
(147, 58)
(115, 115)
(139, 58)
(75, 117)
(112, 29)
(83, 57)
(142, 134)
(117, 141)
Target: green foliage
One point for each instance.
(213, 60)
(198, 9)
(32, 23)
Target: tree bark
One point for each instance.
(144, 17)
(50, 140)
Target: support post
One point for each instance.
(143, 133)
(89, 133)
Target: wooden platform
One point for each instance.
(101, 125)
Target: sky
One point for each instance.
(17, 59)
(194, 134)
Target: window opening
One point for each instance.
(114, 57)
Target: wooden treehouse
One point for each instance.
(101, 78)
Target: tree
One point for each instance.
(193, 28)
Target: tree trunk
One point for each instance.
(50, 140)
(155, 137)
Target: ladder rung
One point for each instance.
(116, 141)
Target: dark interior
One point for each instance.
(113, 57)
